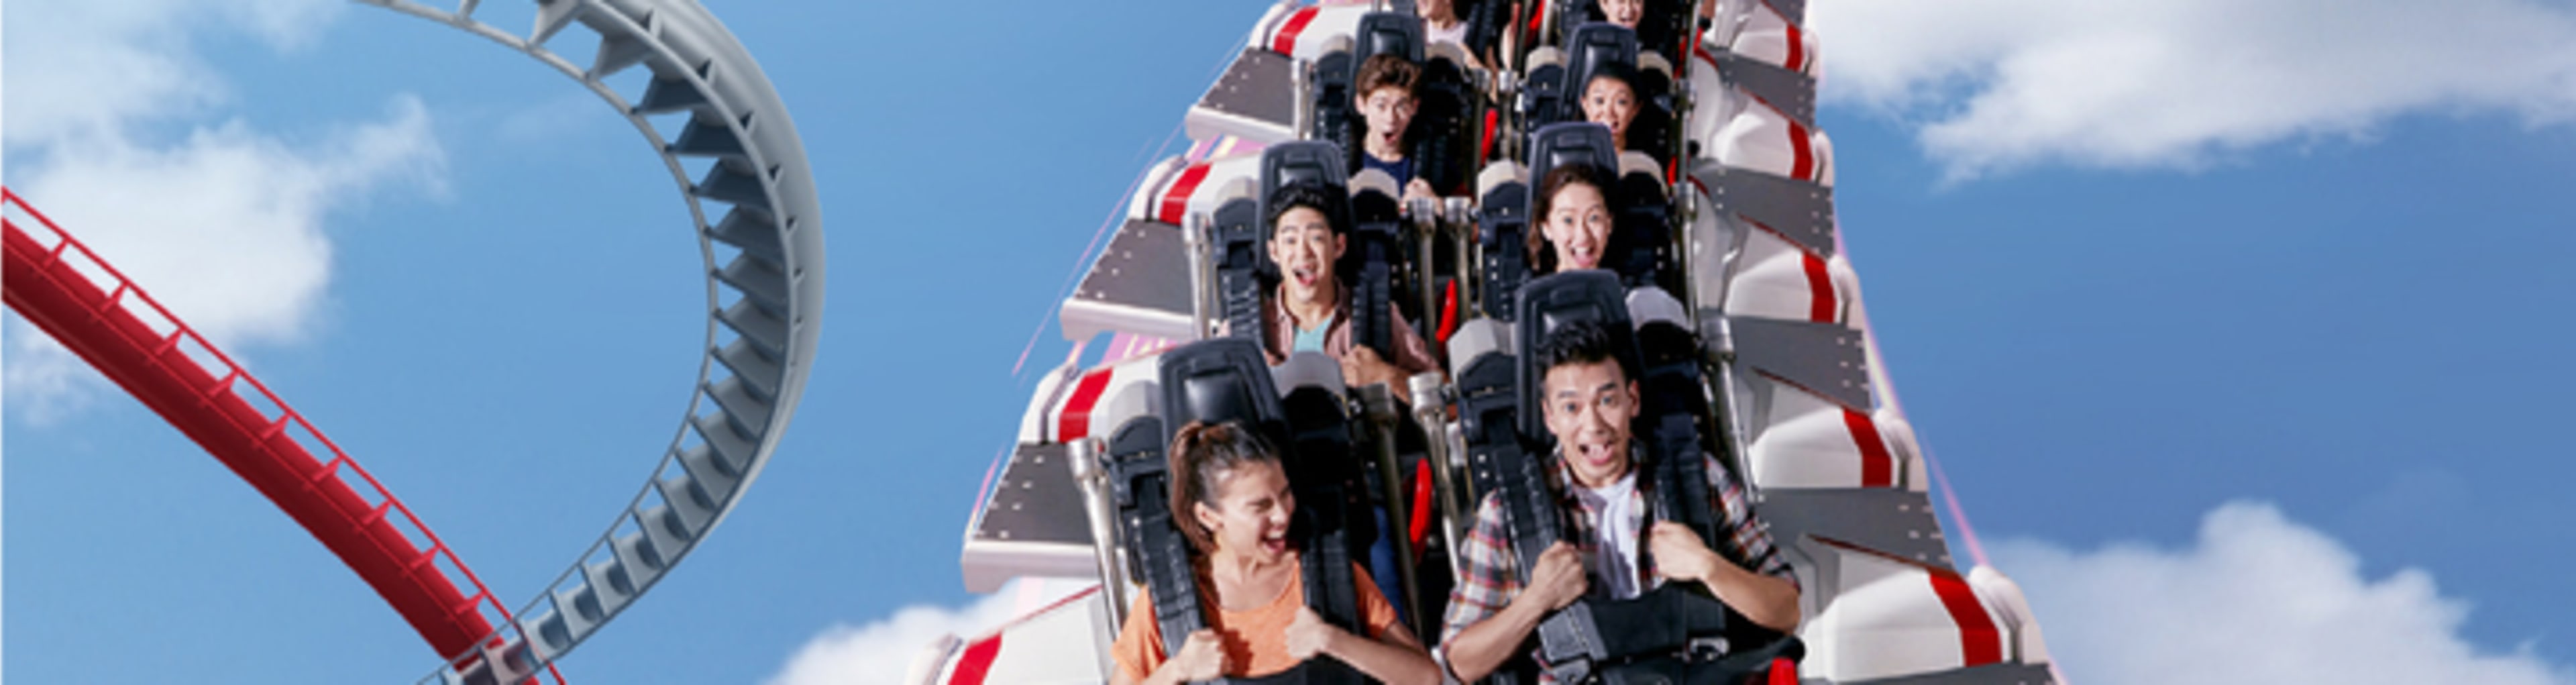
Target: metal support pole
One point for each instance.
(1378, 403)
(1195, 241)
(1431, 410)
(1105, 545)
(1303, 80)
(1427, 221)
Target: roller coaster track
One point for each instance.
(64, 288)
(764, 310)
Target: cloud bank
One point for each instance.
(882, 650)
(2258, 598)
(115, 129)
(1995, 85)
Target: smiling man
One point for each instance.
(1590, 396)
(1310, 311)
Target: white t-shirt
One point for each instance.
(1615, 520)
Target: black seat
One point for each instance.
(1573, 142)
(1591, 49)
(1399, 33)
(1311, 161)
(1654, 635)
(1640, 248)
(1227, 380)
(1502, 233)
(1334, 77)
(1663, 29)
(1373, 262)
(1241, 231)
(1441, 132)
(1243, 265)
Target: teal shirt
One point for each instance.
(1311, 339)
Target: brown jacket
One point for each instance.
(1411, 353)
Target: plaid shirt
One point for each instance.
(1490, 573)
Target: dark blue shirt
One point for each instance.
(1402, 171)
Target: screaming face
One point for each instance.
(1304, 246)
(1588, 408)
(1625, 13)
(1609, 101)
(1252, 510)
(1388, 111)
(1578, 224)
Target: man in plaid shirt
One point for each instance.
(1590, 397)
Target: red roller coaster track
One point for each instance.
(68, 291)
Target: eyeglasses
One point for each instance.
(1388, 103)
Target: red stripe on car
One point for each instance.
(1176, 200)
(1075, 421)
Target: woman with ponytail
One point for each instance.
(1231, 500)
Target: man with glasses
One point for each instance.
(1385, 99)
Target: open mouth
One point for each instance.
(1305, 276)
(1593, 454)
(1275, 543)
(1583, 256)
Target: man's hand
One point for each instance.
(1200, 658)
(1309, 635)
(1419, 189)
(1362, 367)
(1680, 554)
(1558, 580)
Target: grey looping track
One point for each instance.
(764, 301)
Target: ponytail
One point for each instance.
(1201, 455)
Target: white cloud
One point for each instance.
(223, 223)
(100, 66)
(2257, 599)
(2001, 84)
(883, 650)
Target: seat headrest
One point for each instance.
(1498, 173)
(1142, 398)
(1341, 44)
(1449, 52)
(1310, 161)
(1571, 142)
(1308, 370)
(1654, 62)
(1632, 162)
(1545, 56)
(1476, 339)
(1377, 181)
(1399, 33)
(1652, 305)
(1557, 299)
(1218, 380)
(1594, 45)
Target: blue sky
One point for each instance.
(2344, 306)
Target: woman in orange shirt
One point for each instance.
(1230, 498)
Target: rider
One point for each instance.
(1610, 99)
(1385, 97)
(1310, 311)
(1230, 498)
(1589, 397)
(1575, 218)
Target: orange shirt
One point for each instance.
(1255, 641)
